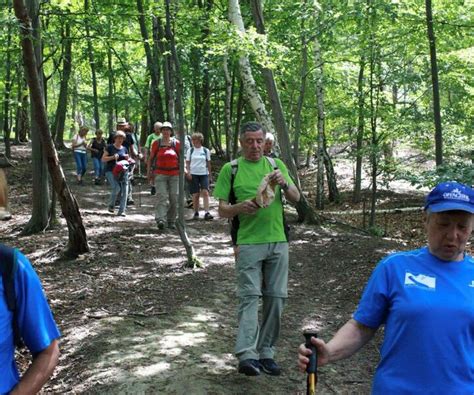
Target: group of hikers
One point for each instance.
(116, 160)
(424, 298)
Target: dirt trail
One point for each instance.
(134, 321)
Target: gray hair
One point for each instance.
(250, 127)
(269, 137)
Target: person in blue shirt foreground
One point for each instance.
(36, 326)
(425, 299)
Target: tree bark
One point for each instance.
(8, 88)
(435, 82)
(90, 53)
(152, 66)
(61, 110)
(192, 259)
(41, 197)
(250, 87)
(301, 96)
(360, 131)
(227, 108)
(70, 209)
(22, 120)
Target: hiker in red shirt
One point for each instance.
(163, 163)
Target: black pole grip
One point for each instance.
(313, 358)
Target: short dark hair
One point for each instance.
(250, 127)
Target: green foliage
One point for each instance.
(460, 171)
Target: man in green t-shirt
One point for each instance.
(149, 141)
(261, 248)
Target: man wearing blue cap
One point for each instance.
(425, 300)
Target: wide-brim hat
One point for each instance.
(166, 125)
(122, 121)
(450, 196)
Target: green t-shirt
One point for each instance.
(150, 139)
(266, 226)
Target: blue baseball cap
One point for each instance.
(449, 196)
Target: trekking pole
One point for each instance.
(312, 368)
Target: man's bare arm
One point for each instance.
(39, 371)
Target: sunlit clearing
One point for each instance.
(173, 342)
(151, 370)
(218, 364)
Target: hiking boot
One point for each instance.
(110, 209)
(161, 225)
(208, 216)
(130, 202)
(269, 366)
(196, 215)
(249, 367)
(171, 225)
(122, 214)
(153, 191)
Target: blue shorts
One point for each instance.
(198, 183)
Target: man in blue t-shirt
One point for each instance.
(425, 300)
(38, 331)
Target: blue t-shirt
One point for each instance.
(112, 150)
(36, 322)
(427, 306)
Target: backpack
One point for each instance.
(8, 270)
(153, 164)
(122, 167)
(235, 222)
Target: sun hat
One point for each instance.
(122, 121)
(450, 195)
(166, 125)
(119, 133)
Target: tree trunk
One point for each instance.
(250, 87)
(192, 259)
(8, 88)
(301, 96)
(238, 119)
(320, 124)
(111, 115)
(41, 198)
(435, 82)
(152, 66)
(70, 209)
(60, 118)
(90, 53)
(227, 108)
(159, 38)
(22, 119)
(360, 131)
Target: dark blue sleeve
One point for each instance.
(37, 326)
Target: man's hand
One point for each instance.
(277, 178)
(248, 207)
(304, 353)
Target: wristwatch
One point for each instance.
(285, 187)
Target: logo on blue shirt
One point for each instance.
(471, 284)
(421, 281)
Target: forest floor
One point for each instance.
(134, 320)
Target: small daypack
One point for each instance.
(8, 270)
(153, 160)
(122, 167)
(235, 222)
